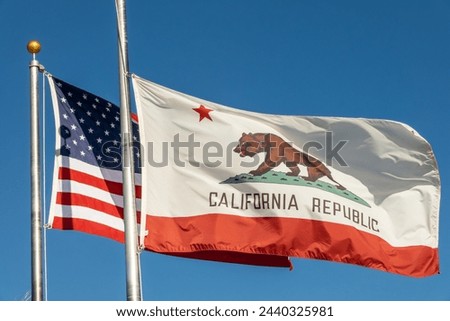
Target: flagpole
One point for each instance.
(131, 237)
(37, 279)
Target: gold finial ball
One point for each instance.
(33, 47)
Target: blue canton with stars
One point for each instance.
(90, 128)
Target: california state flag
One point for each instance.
(221, 180)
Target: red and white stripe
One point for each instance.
(89, 199)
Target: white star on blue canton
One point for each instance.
(86, 123)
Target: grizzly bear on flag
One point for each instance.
(279, 151)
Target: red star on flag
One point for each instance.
(203, 112)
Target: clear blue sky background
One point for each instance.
(376, 59)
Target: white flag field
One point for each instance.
(350, 190)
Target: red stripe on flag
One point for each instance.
(74, 199)
(69, 223)
(287, 237)
(236, 257)
(103, 184)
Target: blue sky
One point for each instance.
(374, 59)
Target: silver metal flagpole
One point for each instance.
(37, 280)
(131, 237)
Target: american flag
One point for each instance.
(87, 180)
